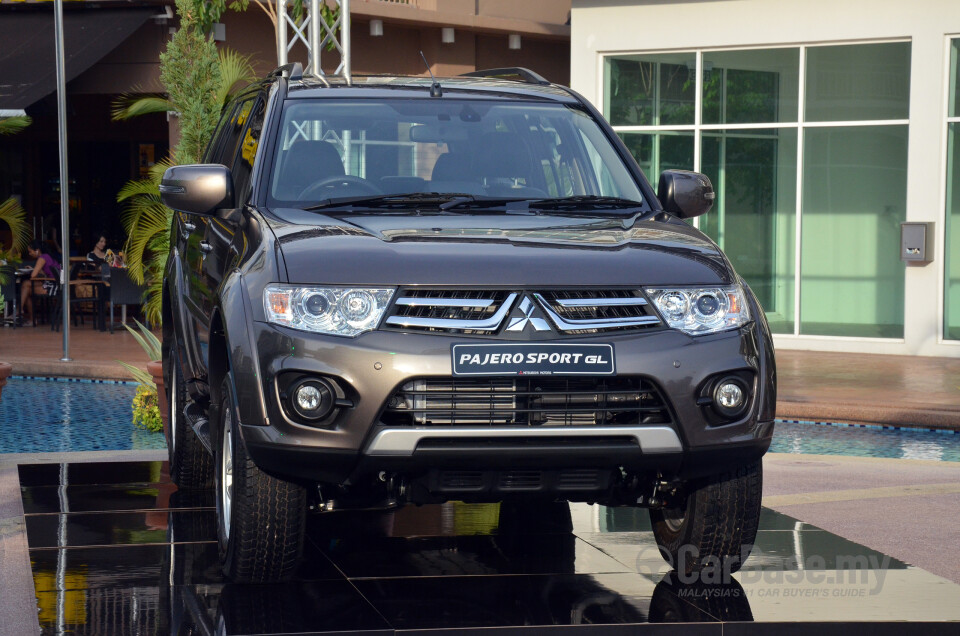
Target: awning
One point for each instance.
(27, 47)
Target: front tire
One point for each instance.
(260, 519)
(715, 524)
(191, 466)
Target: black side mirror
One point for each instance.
(684, 193)
(197, 189)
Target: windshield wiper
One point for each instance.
(392, 200)
(578, 203)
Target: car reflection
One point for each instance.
(537, 540)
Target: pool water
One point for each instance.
(826, 439)
(56, 415)
(51, 415)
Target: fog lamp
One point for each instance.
(729, 397)
(312, 399)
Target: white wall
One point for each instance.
(612, 26)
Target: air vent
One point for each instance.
(528, 401)
(521, 480)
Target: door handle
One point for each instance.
(205, 247)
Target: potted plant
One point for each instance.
(150, 401)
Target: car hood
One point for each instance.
(499, 249)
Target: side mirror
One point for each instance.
(684, 193)
(197, 189)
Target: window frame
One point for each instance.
(801, 125)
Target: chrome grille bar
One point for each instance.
(601, 302)
(474, 303)
(570, 324)
(488, 324)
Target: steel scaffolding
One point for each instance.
(315, 34)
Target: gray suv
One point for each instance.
(395, 290)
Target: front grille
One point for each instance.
(484, 312)
(562, 480)
(594, 311)
(450, 310)
(527, 401)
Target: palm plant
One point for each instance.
(16, 219)
(13, 125)
(234, 69)
(146, 220)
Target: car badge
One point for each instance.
(526, 317)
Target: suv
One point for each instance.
(395, 290)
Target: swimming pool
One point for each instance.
(54, 414)
(43, 415)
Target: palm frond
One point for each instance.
(152, 306)
(16, 219)
(13, 125)
(140, 375)
(149, 342)
(134, 104)
(234, 68)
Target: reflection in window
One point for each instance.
(750, 87)
(854, 199)
(754, 173)
(858, 82)
(656, 152)
(651, 90)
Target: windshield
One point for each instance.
(330, 149)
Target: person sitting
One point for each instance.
(46, 267)
(98, 254)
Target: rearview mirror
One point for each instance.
(198, 188)
(684, 193)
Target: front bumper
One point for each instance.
(374, 364)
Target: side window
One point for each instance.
(217, 140)
(232, 134)
(243, 164)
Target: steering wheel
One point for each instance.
(348, 181)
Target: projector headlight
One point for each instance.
(338, 311)
(702, 310)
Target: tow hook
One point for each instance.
(657, 498)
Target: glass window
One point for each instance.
(858, 82)
(656, 152)
(754, 173)
(854, 199)
(347, 148)
(954, 109)
(650, 90)
(750, 87)
(951, 317)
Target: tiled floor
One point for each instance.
(115, 549)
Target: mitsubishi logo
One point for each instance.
(519, 323)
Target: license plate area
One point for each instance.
(532, 359)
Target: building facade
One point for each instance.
(823, 126)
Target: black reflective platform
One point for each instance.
(115, 549)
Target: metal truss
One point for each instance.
(316, 35)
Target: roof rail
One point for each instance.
(294, 71)
(525, 74)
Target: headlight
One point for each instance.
(338, 311)
(702, 310)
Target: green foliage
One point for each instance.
(16, 219)
(13, 125)
(147, 341)
(145, 219)
(191, 74)
(234, 69)
(134, 104)
(146, 411)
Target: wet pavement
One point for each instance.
(115, 549)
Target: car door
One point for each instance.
(197, 245)
(221, 242)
